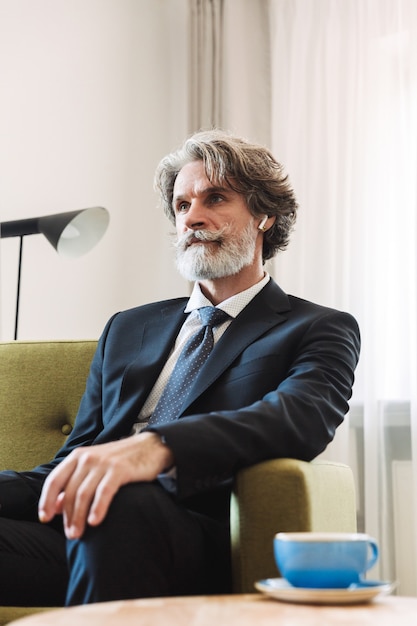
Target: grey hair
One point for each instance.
(247, 168)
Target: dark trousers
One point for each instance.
(148, 545)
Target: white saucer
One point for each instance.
(280, 589)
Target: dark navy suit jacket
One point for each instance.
(277, 384)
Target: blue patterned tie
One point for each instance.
(190, 361)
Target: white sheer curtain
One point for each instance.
(344, 123)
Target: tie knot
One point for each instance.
(210, 316)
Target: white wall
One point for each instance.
(92, 96)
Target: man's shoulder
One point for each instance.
(276, 296)
(311, 312)
(154, 308)
(159, 305)
(130, 322)
(301, 303)
(301, 308)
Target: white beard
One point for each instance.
(227, 256)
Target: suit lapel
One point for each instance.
(158, 336)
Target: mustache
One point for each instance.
(185, 240)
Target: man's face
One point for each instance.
(216, 233)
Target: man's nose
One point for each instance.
(196, 216)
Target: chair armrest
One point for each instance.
(285, 495)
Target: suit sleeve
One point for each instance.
(296, 419)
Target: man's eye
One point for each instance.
(215, 198)
(182, 206)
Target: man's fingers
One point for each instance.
(60, 503)
(50, 502)
(104, 495)
(79, 494)
(90, 502)
(69, 490)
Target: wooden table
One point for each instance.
(232, 610)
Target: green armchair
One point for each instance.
(41, 385)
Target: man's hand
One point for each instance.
(83, 485)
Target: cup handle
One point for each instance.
(373, 557)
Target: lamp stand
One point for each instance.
(19, 273)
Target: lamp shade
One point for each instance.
(72, 234)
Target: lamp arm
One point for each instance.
(19, 228)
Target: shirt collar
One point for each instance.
(233, 305)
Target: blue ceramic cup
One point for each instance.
(324, 560)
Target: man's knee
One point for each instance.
(136, 508)
(147, 545)
(141, 519)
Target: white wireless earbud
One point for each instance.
(262, 223)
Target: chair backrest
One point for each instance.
(41, 384)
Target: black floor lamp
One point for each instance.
(72, 234)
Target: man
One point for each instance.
(142, 485)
